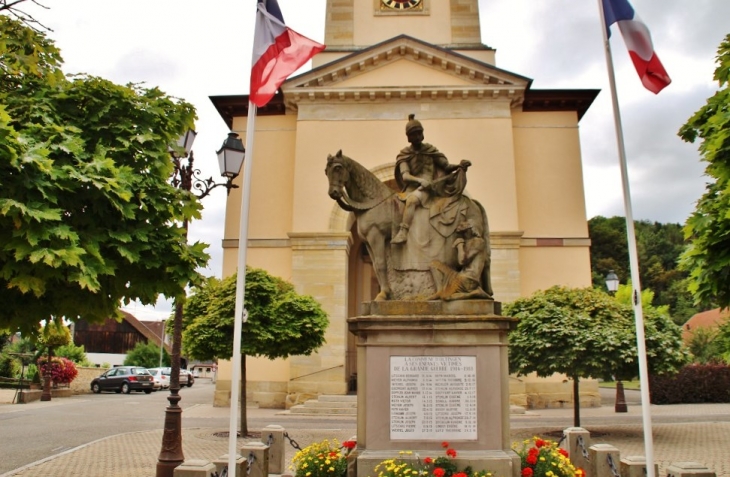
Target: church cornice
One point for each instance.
(482, 80)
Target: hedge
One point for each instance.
(694, 383)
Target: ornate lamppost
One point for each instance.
(620, 406)
(186, 177)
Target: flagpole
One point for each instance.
(239, 317)
(633, 258)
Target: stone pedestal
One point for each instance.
(430, 372)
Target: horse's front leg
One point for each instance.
(375, 242)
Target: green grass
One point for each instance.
(627, 384)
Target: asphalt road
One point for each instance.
(32, 432)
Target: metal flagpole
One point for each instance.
(633, 259)
(240, 317)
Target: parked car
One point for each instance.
(161, 377)
(124, 379)
(186, 377)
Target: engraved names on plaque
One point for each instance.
(433, 398)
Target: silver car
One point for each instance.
(161, 376)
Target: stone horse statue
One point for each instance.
(438, 264)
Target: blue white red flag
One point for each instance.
(638, 41)
(278, 51)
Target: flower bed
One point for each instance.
(538, 458)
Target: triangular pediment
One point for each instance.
(405, 68)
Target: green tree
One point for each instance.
(586, 333)
(146, 355)
(659, 247)
(707, 258)
(704, 345)
(88, 219)
(281, 323)
(77, 354)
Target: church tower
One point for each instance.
(451, 24)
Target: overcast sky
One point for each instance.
(194, 49)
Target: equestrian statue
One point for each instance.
(427, 241)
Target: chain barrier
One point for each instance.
(612, 466)
(224, 473)
(292, 442)
(249, 461)
(582, 446)
(271, 440)
(562, 439)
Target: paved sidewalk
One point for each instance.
(135, 454)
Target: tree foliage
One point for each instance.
(77, 354)
(281, 322)
(586, 333)
(659, 247)
(88, 218)
(707, 258)
(146, 355)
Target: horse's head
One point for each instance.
(337, 174)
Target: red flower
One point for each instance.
(533, 451)
(539, 443)
(527, 472)
(531, 459)
(563, 452)
(349, 444)
(428, 460)
(580, 472)
(451, 453)
(460, 474)
(438, 472)
(444, 444)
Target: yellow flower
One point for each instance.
(331, 469)
(308, 474)
(542, 459)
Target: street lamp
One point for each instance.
(620, 406)
(612, 282)
(185, 177)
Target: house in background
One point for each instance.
(109, 342)
(709, 320)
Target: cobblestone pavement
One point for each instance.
(135, 454)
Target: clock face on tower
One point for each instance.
(401, 5)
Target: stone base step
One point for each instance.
(343, 405)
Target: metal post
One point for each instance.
(162, 341)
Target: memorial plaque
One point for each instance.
(433, 398)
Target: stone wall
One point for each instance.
(82, 383)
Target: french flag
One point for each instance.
(638, 41)
(278, 51)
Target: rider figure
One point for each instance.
(417, 167)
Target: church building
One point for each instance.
(385, 60)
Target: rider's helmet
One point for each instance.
(413, 124)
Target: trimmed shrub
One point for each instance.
(695, 383)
